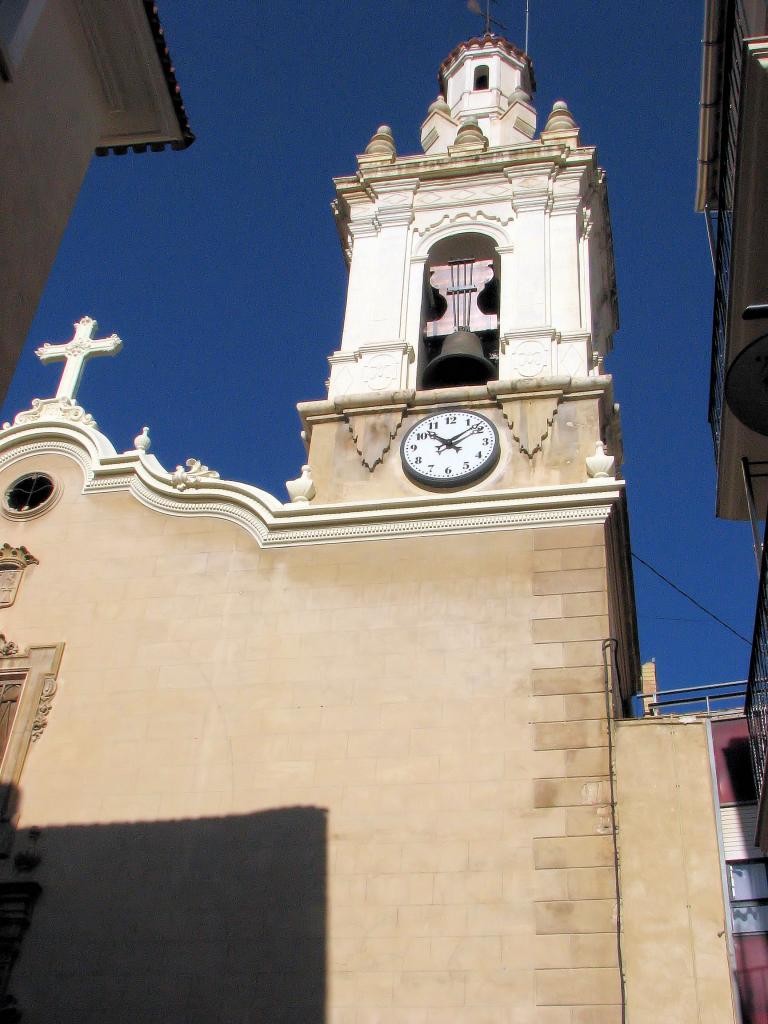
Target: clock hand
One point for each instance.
(476, 429)
(444, 442)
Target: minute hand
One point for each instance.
(476, 429)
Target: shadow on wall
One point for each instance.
(180, 922)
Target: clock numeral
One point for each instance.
(448, 470)
(465, 466)
(421, 437)
(413, 447)
(450, 419)
(486, 440)
(431, 467)
(418, 460)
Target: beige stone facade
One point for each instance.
(438, 701)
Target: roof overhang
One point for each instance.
(137, 77)
(710, 106)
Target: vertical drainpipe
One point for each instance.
(608, 644)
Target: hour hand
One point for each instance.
(444, 442)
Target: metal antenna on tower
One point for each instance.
(526, 26)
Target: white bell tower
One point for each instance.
(491, 224)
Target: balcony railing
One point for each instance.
(756, 706)
(735, 30)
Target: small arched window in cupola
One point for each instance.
(481, 79)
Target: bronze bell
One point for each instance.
(461, 362)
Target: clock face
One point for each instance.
(450, 449)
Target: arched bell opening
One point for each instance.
(460, 333)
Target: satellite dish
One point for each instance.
(746, 386)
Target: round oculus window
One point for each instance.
(29, 495)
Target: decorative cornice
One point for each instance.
(274, 524)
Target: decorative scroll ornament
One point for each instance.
(301, 490)
(192, 475)
(47, 694)
(7, 647)
(530, 420)
(373, 434)
(600, 464)
(53, 409)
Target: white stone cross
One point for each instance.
(76, 353)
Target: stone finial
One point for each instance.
(470, 137)
(600, 464)
(301, 490)
(382, 143)
(142, 441)
(439, 106)
(561, 119)
(519, 96)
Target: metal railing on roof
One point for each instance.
(735, 30)
(706, 699)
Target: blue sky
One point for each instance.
(221, 270)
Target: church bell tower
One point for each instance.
(468, 403)
(483, 262)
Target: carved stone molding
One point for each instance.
(530, 419)
(13, 562)
(47, 693)
(7, 647)
(373, 434)
(35, 671)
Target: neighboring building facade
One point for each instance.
(76, 76)
(363, 756)
(732, 189)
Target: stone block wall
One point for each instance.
(438, 700)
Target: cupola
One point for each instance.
(489, 81)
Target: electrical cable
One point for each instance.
(693, 600)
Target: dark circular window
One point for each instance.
(29, 492)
